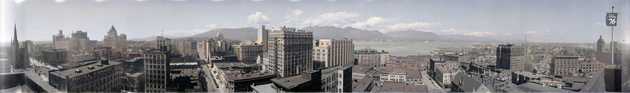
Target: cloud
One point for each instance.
(258, 18)
(480, 34)
(258, 0)
(141, 0)
(60, 1)
(450, 31)
(411, 26)
(370, 23)
(294, 18)
(350, 19)
(295, 0)
(100, 0)
(297, 12)
(332, 19)
(179, 0)
(331, 0)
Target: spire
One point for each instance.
(15, 38)
(112, 30)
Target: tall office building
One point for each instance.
(204, 50)
(60, 41)
(263, 35)
(334, 58)
(77, 43)
(156, 71)
(289, 52)
(333, 52)
(80, 42)
(118, 43)
(164, 44)
(186, 47)
(504, 56)
(156, 67)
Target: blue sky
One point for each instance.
(542, 20)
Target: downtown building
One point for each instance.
(248, 52)
(233, 77)
(186, 47)
(97, 76)
(372, 57)
(156, 66)
(289, 52)
(312, 81)
(442, 69)
(212, 48)
(504, 56)
(54, 57)
(78, 43)
(333, 52)
(334, 58)
(262, 37)
(573, 66)
(117, 43)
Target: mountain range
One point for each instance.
(329, 32)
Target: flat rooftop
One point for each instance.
(531, 87)
(291, 82)
(81, 70)
(237, 76)
(400, 87)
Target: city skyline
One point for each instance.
(278, 46)
(543, 22)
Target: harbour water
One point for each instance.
(403, 48)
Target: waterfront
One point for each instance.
(403, 48)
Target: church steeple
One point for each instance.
(16, 54)
(15, 41)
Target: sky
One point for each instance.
(538, 20)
